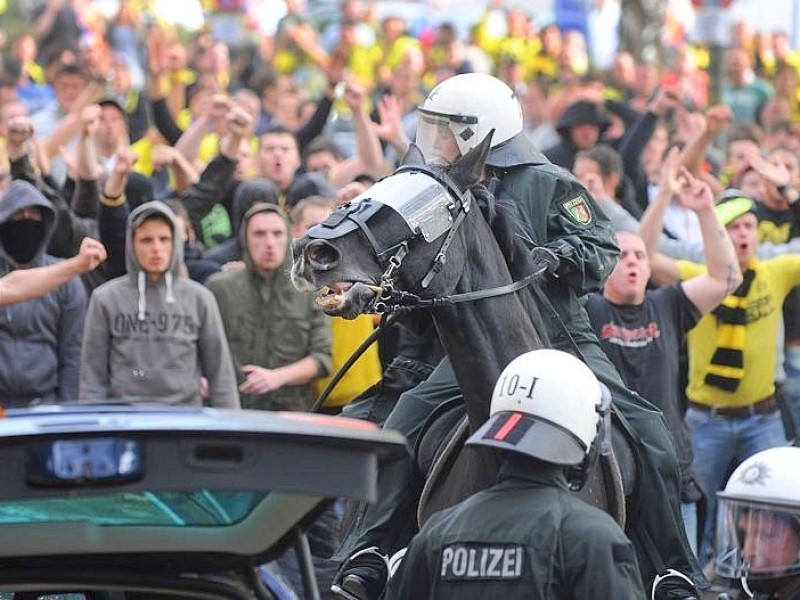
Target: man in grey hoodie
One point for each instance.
(40, 340)
(149, 335)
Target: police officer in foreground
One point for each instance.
(758, 529)
(560, 219)
(528, 536)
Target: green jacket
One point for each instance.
(269, 323)
(558, 213)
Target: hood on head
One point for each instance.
(256, 209)
(139, 216)
(249, 193)
(135, 219)
(21, 194)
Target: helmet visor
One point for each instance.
(443, 138)
(532, 435)
(757, 540)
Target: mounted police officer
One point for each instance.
(560, 221)
(758, 533)
(528, 536)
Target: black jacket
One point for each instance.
(526, 537)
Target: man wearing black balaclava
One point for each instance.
(40, 340)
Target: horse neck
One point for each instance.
(483, 336)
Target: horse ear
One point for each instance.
(413, 156)
(468, 170)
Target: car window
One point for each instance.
(191, 508)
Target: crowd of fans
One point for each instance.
(244, 147)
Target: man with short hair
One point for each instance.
(732, 411)
(639, 328)
(150, 334)
(279, 161)
(279, 337)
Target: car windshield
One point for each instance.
(180, 509)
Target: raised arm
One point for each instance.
(717, 120)
(113, 213)
(723, 274)
(369, 158)
(22, 285)
(208, 122)
(652, 223)
(390, 128)
(201, 197)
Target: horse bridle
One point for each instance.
(391, 259)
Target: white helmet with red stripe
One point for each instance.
(546, 404)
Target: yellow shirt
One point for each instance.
(774, 279)
(347, 336)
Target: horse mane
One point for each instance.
(503, 219)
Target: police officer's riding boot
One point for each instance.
(363, 576)
(674, 585)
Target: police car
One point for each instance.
(118, 503)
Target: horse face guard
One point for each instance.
(429, 203)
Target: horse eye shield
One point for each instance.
(421, 200)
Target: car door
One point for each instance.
(172, 502)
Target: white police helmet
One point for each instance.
(546, 404)
(758, 519)
(464, 109)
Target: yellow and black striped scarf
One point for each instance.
(727, 364)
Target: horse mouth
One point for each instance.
(346, 299)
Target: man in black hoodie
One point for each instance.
(40, 340)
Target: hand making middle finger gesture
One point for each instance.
(694, 193)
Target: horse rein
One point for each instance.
(392, 301)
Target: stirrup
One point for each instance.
(352, 585)
(676, 585)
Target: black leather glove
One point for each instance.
(546, 260)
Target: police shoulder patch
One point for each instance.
(578, 210)
(476, 562)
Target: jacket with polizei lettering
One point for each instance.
(527, 537)
(151, 341)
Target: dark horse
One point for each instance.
(420, 238)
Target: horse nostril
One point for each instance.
(322, 256)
